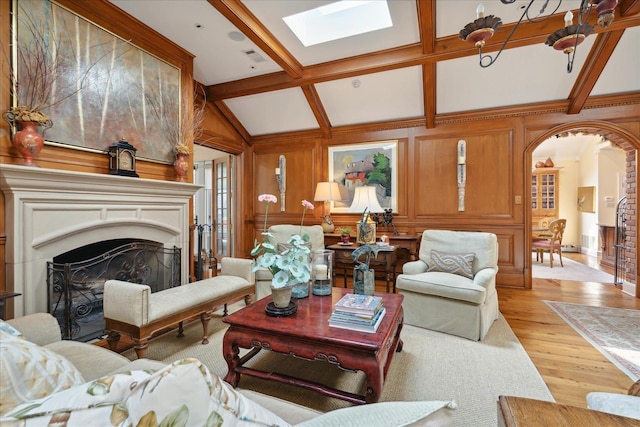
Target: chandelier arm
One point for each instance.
(493, 59)
(584, 11)
(543, 18)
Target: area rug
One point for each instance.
(572, 270)
(615, 332)
(431, 366)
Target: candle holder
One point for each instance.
(322, 271)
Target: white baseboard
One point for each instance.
(629, 288)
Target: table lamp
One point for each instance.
(327, 192)
(365, 198)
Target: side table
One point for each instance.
(387, 257)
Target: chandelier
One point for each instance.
(565, 39)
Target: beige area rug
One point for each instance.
(431, 366)
(615, 332)
(572, 270)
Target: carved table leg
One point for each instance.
(231, 352)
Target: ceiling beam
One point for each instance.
(594, 65)
(429, 94)
(233, 120)
(445, 48)
(318, 109)
(427, 24)
(629, 7)
(242, 18)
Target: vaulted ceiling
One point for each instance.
(266, 82)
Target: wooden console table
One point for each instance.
(519, 411)
(408, 245)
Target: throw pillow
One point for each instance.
(98, 402)
(187, 391)
(5, 327)
(30, 371)
(460, 264)
(397, 414)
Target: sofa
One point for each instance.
(47, 381)
(280, 234)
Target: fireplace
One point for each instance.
(51, 212)
(75, 280)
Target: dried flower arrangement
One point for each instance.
(178, 125)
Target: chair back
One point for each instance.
(544, 222)
(483, 245)
(556, 231)
(282, 233)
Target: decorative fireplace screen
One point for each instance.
(75, 290)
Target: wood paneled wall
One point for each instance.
(497, 200)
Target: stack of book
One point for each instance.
(358, 312)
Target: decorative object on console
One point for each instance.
(363, 276)
(281, 178)
(386, 220)
(366, 199)
(122, 159)
(327, 192)
(566, 39)
(462, 172)
(322, 266)
(345, 235)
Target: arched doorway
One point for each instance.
(621, 138)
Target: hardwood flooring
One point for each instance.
(570, 366)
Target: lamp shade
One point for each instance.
(327, 192)
(365, 198)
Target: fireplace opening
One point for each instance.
(75, 280)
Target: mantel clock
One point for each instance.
(122, 159)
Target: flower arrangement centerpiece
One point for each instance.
(290, 266)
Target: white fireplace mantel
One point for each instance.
(50, 212)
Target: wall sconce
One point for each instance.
(327, 192)
(566, 39)
(462, 172)
(281, 178)
(365, 198)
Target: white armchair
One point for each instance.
(452, 287)
(280, 234)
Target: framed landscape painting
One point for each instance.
(371, 164)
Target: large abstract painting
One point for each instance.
(104, 86)
(373, 164)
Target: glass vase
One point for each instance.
(322, 271)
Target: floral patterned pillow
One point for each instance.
(184, 393)
(30, 371)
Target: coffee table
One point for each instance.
(307, 334)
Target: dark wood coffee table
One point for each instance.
(307, 334)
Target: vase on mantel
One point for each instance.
(181, 166)
(28, 141)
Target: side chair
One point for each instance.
(551, 244)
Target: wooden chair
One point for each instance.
(551, 244)
(542, 231)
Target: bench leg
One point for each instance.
(180, 330)
(112, 339)
(204, 318)
(140, 346)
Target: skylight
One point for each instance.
(339, 20)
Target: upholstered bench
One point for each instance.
(132, 309)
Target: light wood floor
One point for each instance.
(570, 366)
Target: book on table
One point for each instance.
(361, 304)
(357, 323)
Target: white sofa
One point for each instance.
(280, 234)
(46, 381)
(452, 287)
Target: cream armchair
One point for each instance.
(280, 234)
(452, 287)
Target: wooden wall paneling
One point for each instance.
(435, 165)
